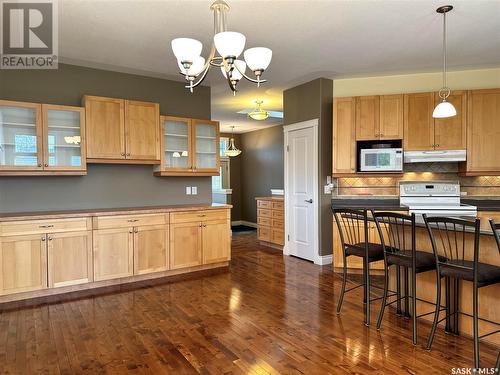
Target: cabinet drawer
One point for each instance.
(277, 236)
(14, 228)
(264, 221)
(264, 212)
(278, 205)
(264, 204)
(277, 214)
(278, 224)
(193, 216)
(125, 221)
(264, 233)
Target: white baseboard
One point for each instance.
(243, 222)
(323, 260)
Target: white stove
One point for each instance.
(439, 198)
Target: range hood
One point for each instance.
(434, 156)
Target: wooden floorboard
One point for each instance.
(268, 314)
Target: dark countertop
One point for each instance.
(392, 204)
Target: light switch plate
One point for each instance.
(194, 190)
(188, 190)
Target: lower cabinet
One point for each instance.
(23, 263)
(150, 249)
(113, 253)
(216, 241)
(196, 243)
(69, 258)
(185, 244)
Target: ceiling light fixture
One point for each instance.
(444, 109)
(258, 114)
(229, 45)
(231, 149)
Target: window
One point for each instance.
(222, 181)
(224, 142)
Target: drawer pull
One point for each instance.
(202, 215)
(47, 226)
(132, 220)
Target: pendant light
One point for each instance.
(444, 109)
(231, 149)
(258, 114)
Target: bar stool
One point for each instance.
(397, 236)
(448, 238)
(495, 227)
(353, 231)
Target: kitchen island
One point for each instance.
(489, 303)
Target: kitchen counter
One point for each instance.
(483, 204)
(271, 198)
(16, 216)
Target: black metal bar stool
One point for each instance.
(495, 227)
(353, 231)
(397, 236)
(449, 240)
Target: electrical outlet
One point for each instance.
(188, 190)
(194, 190)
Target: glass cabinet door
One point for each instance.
(64, 144)
(206, 145)
(20, 136)
(176, 144)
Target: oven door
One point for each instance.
(381, 160)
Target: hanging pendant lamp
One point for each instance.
(444, 109)
(231, 149)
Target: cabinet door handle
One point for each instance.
(128, 153)
(136, 230)
(204, 225)
(50, 238)
(46, 165)
(122, 154)
(381, 135)
(200, 225)
(47, 226)
(43, 238)
(39, 165)
(131, 231)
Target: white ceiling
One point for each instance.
(309, 39)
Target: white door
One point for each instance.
(302, 192)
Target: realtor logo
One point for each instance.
(29, 34)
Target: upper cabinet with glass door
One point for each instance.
(40, 139)
(189, 147)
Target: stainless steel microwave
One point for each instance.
(381, 160)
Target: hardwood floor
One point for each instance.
(269, 314)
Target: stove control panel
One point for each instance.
(428, 189)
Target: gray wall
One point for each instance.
(105, 185)
(314, 100)
(262, 167)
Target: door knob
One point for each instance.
(308, 200)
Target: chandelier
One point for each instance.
(258, 114)
(229, 45)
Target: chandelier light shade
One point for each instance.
(444, 109)
(186, 49)
(227, 46)
(231, 149)
(259, 114)
(258, 58)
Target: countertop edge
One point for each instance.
(40, 215)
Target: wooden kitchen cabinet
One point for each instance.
(23, 263)
(391, 116)
(483, 133)
(151, 249)
(367, 117)
(69, 258)
(113, 253)
(418, 122)
(122, 131)
(185, 244)
(216, 242)
(189, 147)
(344, 135)
(40, 139)
(270, 220)
(142, 130)
(451, 133)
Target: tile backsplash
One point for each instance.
(474, 186)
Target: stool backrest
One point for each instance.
(397, 233)
(495, 227)
(450, 237)
(352, 225)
